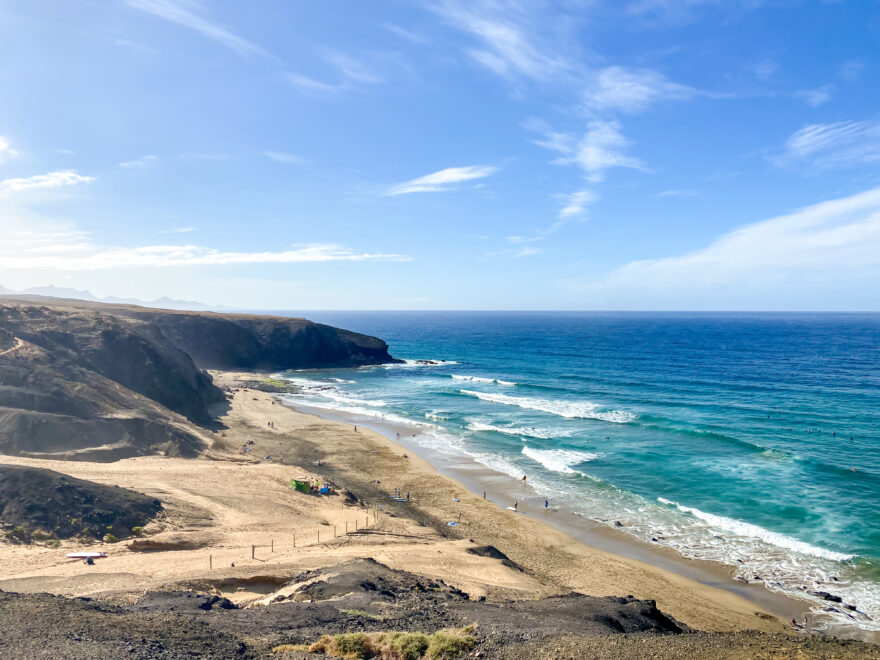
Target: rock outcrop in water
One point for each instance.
(87, 381)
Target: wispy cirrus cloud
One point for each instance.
(283, 157)
(816, 97)
(576, 204)
(678, 193)
(629, 90)
(827, 245)
(602, 147)
(138, 162)
(186, 14)
(404, 33)
(6, 150)
(350, 74)
(443, 179)
(831, 146)
(71, 250)
(505, 37)
(523, 248)
(55, 179)
(178, 230)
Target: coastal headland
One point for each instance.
(235, 562)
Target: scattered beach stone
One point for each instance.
(826, 596)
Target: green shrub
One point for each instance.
(19, 533)
(441, 645)
(40, 535)
(109, 538)
(137, 530)
(281, 648)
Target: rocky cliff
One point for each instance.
(89, 381)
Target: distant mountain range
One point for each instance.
(75, 294)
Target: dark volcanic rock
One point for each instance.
(87, 381)
(182, 601)
(55, 503)
(238, 341)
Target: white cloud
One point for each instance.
(304, 82)
(138, 162)
(576, 203)
(352, 73)
(282, 157)
(180, 13)
(51, 180)
(6, 151)
(827, 146)
(37, 251)
(765, 68)
(780, 262)
(179, 230)
(403, 33)
(816, 97)
(621, 89)
(851, 70)
(504, 31)
(602, 147)
(351, 68)
(517, 252)
(679, 193)
(443, 180)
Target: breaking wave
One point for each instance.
(570, 409)
(559, 460)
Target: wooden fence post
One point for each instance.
(294, 539)
(210, 561)
(253, 550)
(272, 542)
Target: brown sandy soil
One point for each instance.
(220, 505)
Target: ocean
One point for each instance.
(747, 439)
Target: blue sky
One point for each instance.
(451, 154)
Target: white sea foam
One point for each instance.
(559, 460)
(740, 528)
(410, 364)
(436, 415)
(531, 431)
(570, 409)
(481, 379)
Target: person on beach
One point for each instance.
(546, 504)
(407, 496)
(484, 494)
(355, 428)
(516, 506)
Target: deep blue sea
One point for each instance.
(750, 439)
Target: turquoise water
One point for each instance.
(750, 439)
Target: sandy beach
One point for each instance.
(233, 525)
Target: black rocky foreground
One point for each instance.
(360, 595)
(363, 596)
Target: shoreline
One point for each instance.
(501, 488)
(227, 502)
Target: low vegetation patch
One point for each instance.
(441, 645)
